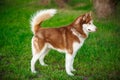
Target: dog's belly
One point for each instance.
(57, 49)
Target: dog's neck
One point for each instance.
(77, 33)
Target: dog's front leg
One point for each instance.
(73, 56)
(68, 63)
(72, 68)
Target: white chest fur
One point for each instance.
(77, 45)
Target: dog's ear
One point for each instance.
(90, 13)
(85, 16)
(77, 20)
(81, 18)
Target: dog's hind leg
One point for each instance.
(42, 56)
(33, 61)
(35, 58)
(37, 51)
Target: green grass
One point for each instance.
(98, 59)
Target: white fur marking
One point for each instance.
(89, 27)
(33, 49)
(36, 56)
(38, 17)
(68, 63)
(41, 59)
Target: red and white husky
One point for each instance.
(67, 39)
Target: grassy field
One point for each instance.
(98, 59)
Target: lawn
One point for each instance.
(98, 59)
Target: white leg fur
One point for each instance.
(73, 56)
(36, 56)
(41, 58)
(68, 63)
(72, 68)
(33, 61)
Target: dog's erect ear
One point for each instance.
(77, 21)
(90, 13)
(85, 16)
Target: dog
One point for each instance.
(67, 39)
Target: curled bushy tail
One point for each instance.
(39, 17)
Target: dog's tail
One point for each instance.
(39, 17)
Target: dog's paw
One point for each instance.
(44, 64)
(70, 74)
(34, 71)
(73, 70)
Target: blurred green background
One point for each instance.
(98, 59)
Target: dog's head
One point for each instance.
(85, 23)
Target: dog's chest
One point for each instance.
(77, 45)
